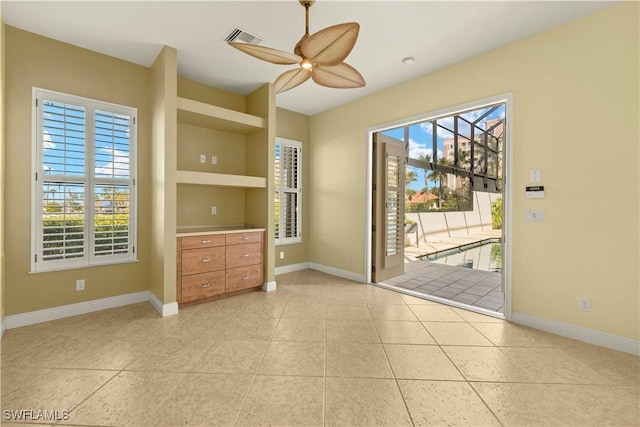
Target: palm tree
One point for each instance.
(409, 177)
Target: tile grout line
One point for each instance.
(395, 379)
(255, 376)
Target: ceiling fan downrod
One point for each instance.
(306, 4)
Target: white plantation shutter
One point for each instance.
(62, 185)
(112, 185)
(84, 182)
(394, 206)
(288, 191)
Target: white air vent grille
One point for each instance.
(237, 34)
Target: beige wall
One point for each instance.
(2, 165)
(260, 158)
(575, 99)
(163, 180)
(61, 67)
(295, 126)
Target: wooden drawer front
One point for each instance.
(204, 285)
(243, 238)
(207, 241)
(241, 255)
(196, 261)
(244, 277)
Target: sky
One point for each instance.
(64, 151)
(421, 136)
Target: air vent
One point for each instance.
(237, 34)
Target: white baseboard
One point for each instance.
(269, 286)
(578, 333)
(163, 309)
(291, 268)
(47, 314)
(338, 272)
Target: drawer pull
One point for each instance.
(205, 285)
(245, 255)
(205, 260)
(244, 278)
(245, 238)
(204, 242)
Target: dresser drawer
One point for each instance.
(196, 261)
(243, 238)
(203, 285)
(206, 241)
(242, 255)
(243, 278)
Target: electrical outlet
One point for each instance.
(80, 285)
(203, 158)
(585, 304)
(214, 160)
(281, 254)
(214, 210)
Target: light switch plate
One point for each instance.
(214, 160)
(203, 158)
(534, 216)
(534, 175)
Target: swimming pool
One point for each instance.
(486, 256)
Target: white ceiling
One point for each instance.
(437, 34)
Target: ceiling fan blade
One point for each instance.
(341, 76)
(268, 54)
(331, 45)
(290, 79)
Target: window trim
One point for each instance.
(89, 258)
(298, 239)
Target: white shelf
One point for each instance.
(220, 179)
(210, 116)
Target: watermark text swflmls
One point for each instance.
(35, 415)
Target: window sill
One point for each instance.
(292, 242)
(80, 267)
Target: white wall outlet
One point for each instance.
(203, 158)
(585, 304)
(281, 254)
(214, 160)
(80, 285)
(214, 210)
(534, 175)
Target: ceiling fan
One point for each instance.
(319, 55)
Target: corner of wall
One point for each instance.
(2, 161)
(164, 148)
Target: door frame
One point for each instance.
(507, 194)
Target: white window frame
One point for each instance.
(282, 142)
(89, 180)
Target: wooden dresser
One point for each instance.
(214, 264)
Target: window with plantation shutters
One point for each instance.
(288, 191)
(83, 182)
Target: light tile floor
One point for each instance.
(460, 284)
(318, 351)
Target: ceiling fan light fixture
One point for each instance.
(320, 56)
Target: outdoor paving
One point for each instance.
(460, 284)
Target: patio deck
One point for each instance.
(449, 284)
